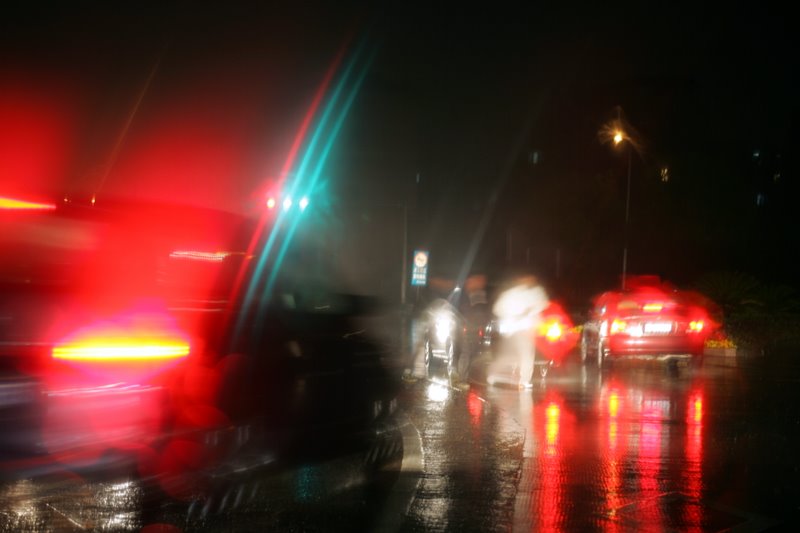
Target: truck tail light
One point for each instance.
(133, 337)
(15, 204)
(121, 349)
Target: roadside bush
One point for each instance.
(756, 316)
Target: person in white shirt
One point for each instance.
(519, 311)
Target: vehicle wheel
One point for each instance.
(428, 355)
(451, 362)
(464, 363)
(601, 358)
(584, 349)
(544, 369)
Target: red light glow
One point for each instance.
(38, 130)
(13, 204)
(696, 326)
(652, 307)
(212, 257)
(121, 349)
(133, 338)
(475, 408)
(555, 336)
(553, 331)
(693, 473)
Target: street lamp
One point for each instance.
(619, 136)
(618, 132)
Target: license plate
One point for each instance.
(658, 327)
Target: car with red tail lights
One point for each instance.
(138, 336)
(649, 319)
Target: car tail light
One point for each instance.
(553, 331)
(617, 326)
(15, 204)
(652, 307)
(696, 326)
(121, 349)
(555, 336)
(132, 337)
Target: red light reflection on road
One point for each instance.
(695, 415)
(475, 408)
(613, 404)
(611, 407)
(693, 472)
(552, 432)
(638, 444)
(551, 429)
(649, 460)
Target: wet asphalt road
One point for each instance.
(637, 447)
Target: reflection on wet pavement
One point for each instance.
(624, 450)
(641, 447)
(636, 448)
(472, 455)
(70, 503)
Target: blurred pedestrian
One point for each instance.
(519, 314)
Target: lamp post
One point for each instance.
(619, 137)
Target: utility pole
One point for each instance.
(404, 270)
(627, 222)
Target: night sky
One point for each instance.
(461, 117)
